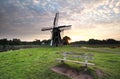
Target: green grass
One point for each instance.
(36, 63)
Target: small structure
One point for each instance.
(55, 30)
(68, 55)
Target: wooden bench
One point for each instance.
(83, 56)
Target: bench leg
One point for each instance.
(62, 61)
(85, 67)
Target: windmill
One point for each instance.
(55, 30)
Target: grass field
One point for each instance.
(36, 63)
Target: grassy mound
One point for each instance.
(36, 63)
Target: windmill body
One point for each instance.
(55, 30)
(56, 37)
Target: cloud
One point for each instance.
(36, 1)
(116, 10)
(102, 13)
(25, 18)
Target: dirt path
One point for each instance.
(76, 74)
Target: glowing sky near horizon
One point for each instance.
(23, 19)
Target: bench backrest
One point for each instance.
(84, 56)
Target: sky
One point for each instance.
(24, 19)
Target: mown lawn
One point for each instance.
(36, 63)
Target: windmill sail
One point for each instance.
(44, 29)
(55, 23)
(65, 26)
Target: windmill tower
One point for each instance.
(55, 30)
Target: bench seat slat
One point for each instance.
(59, 59)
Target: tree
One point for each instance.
(4, 42)
(66, 40)
(46, 42)
(16, 41)
(111, 41)
(94, 41)
(37, 42)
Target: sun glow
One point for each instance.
(36, 1)
(76, 38)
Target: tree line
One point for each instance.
(65, 40)
(16, 41)
(96, 41)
